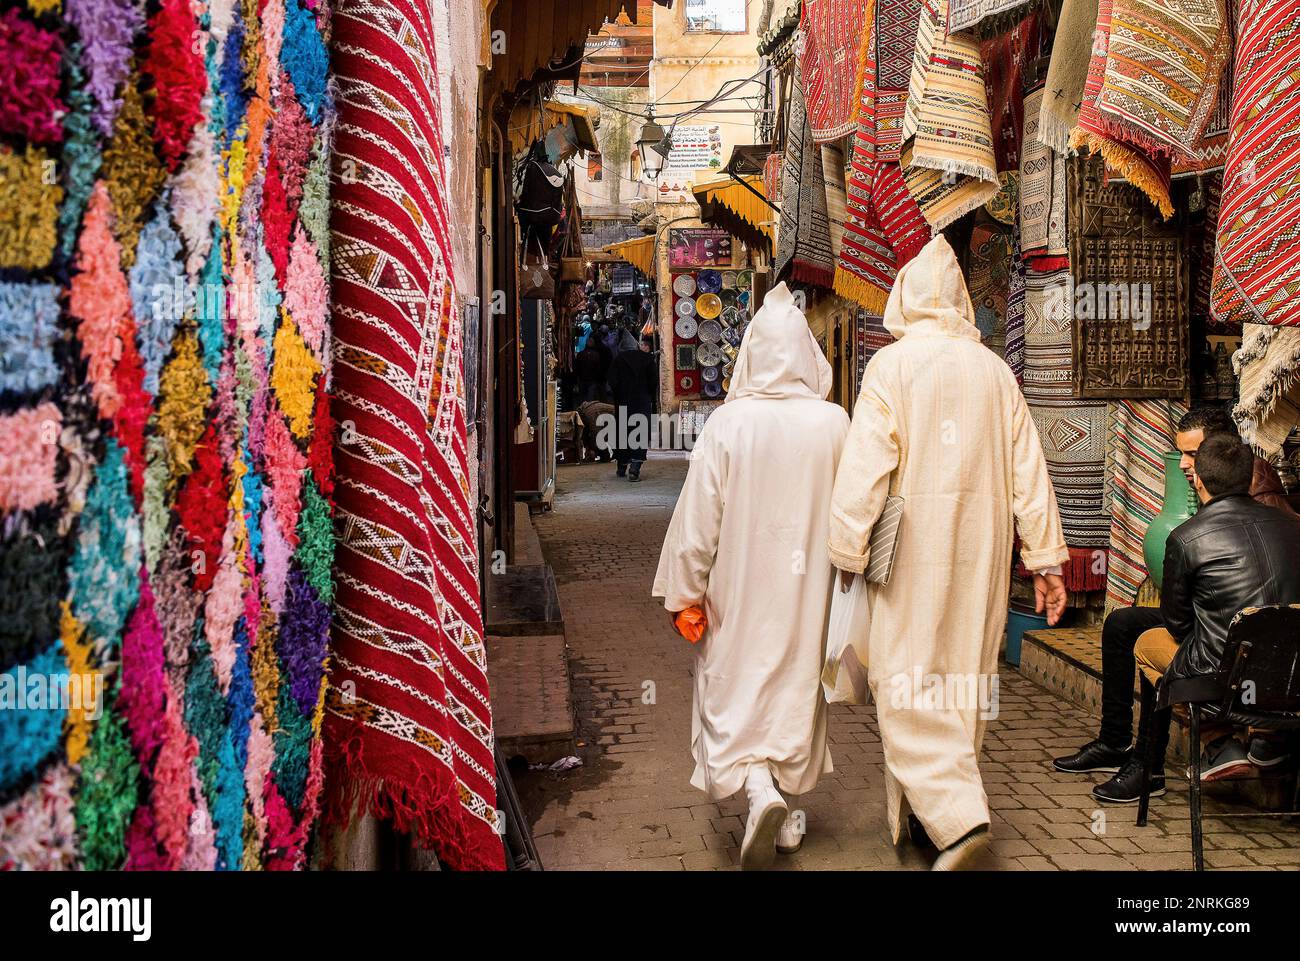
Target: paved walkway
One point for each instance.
(631, 805)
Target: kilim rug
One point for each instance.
(1140, 432)
(988, 266)
(833, 174)
(869, 335)
(804, 240)
(968, 13)
(832, 34)
(1210, 151)
(1202, 259)
(1067, 73)
(1148, 174)
(1042, 195)
(947, 159)
(1268, 368)
(883, 227)
(1257, 268)
(895, 25)
(1014, 352)
(1006, 58)
(408, 724)
(1163, 67)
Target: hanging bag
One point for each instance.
(535, 280)
(844, 677)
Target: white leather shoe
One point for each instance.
(767, 812)
(790, 838)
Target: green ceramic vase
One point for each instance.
(1179, 505)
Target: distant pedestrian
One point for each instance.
(633, 381)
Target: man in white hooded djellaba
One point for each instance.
(941, 422)
(747, 544)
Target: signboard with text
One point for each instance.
(698, 247)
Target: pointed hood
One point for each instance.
(627, 342)
(779, 357)
(930, 296)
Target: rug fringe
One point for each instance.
(965, 168)
(1054, 132)
(1124, 160)
(860, 290)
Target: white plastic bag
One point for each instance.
(844, 676)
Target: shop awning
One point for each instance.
(740, 207)
(640, 253)
(528, 123)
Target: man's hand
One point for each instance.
(846, 580)
(1049, 595)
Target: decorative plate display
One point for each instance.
(685, 357)
(745, 279)
(708, 306)
(732, 336)
(686, 327)
(729, 279)
(687, 383)
(709, 355)
(684, 285)
(728, 298)
(708, 374)
(710, 282)
(730, 316)
(742, 298)
(712, 390)
(710, 332)
(685, 307)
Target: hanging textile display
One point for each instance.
(1067, 73)
(1140, 432)
(1014, 351)
(833, 174)
(969, 13)
(408, 723)
(1163, 65)
(947, 159)
(883, 227)
(1130, 283)
(1006, 59)
(832, 30)
(804, 239)
(1042, 195)
(989, 272)
(1268, 365)
(1210, 151)
(165, 472)
(1257, 263)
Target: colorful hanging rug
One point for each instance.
(166, 473)
(1014, 351)
(1042, 195)
(895, 24)
(408, 723)
(1006, 58)
(1257, 266)
(970, 13)
(1268, 368)
(989, 270)
(883, 227)
(948, 159)
(1127, 160)
(832, 33)
(804, 240)
(1163, 66)
(1210, 152)
(1140, 433)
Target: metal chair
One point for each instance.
(1257, 685)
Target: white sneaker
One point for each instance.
(960, 856)
(790, 838)
(767, 813)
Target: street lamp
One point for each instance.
(654, 145)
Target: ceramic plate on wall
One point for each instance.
(686, 327)
(684, 285)
(710, 332)
(708, 374)
(708, 306)
(712, 390)
(687, 383)
(745, 279)
(685, 307)
(709, 355)
(710, 281)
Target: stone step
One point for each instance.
(532, 706)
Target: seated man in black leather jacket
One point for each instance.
(1234, 553)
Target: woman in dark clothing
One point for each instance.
(633, 379)
(590, 366)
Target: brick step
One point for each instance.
(532, 706)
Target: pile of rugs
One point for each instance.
(1069, 148)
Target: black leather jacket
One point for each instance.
(1233, 553)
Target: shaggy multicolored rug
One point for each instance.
(1257, 265)
(409, 727)
(166, 473)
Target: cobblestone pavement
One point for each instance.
(631, 805)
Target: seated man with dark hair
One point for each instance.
(1265, 485)
(1235, 553)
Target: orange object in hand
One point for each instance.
(691, 623)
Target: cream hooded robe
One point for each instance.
(747, 540)
(941, 421)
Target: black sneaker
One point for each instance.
(634, 474)
(1267, 752)
(622, 470)
(1093, 756)
(1126, 786)
(1224, 760)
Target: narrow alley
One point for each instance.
(631, 805)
